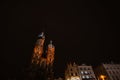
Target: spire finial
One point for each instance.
(41, 35)
(50, 41)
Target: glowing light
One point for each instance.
(102, 77)
(75, 78)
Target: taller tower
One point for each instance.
(38, 49)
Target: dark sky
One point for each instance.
(83, 31)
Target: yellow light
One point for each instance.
(102, 77)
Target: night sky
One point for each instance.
(82, 31)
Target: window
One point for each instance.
(81, 72)
(88, 68)
(76, 74)
(80, 68)
(71, 74)
(83, 77)
(107, 68)
(84, 68)
(110, 72)
(117, 78)
(113, 72)
(86, 72)
(87, 77)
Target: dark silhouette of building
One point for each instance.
(108, 72)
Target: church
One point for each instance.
(41, 67)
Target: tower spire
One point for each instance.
(50, 41)
(41, 35)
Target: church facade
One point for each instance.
(41, 67)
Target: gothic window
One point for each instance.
(90, 72)
(113, 77)
(50, 59)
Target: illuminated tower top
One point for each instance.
(41, 35)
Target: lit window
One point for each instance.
(81, 72)
(87, 76)
(86, 72)
(83, 77)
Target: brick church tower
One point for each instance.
(42, 63)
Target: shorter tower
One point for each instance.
(50, 59)
(50, 54)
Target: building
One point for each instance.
(86, 72)
(59, 78)
(41, 67)
(72, 73)
(79, 72)
(108, 71)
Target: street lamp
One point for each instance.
(102, 77)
